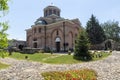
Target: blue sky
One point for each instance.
(23, 13)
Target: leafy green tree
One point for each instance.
(3, 27)
(112, 30)
(95, 31)
(82, 46)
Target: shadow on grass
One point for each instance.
(83, 58)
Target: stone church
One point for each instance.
(52, 31)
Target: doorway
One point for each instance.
(108, 45)
(58, 46)
(57, 41)
(35, 45)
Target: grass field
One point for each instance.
(54, 58)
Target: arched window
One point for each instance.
(34, 30)
(58, 13)
(46, 13)
(54, 11)
(34, 39)
(75, 35)
(50, 12)
(57, 32)
(39, 30)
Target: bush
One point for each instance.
(41, 51)
(51, 51)
(3, 53)
(110, 51)
(69, 52)
(26, 57)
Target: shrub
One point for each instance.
(51, 51)
(3, 53)
(69, 52)
(110, 51)
(41, 51)
(26, 57)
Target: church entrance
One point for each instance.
(58, 46)
(57, 41)
(35, 45)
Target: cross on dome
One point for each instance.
(52, 4)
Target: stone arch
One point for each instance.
(21, 46)
(53, 37)
(56, 30)
(108, 44)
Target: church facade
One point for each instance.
(52, 31)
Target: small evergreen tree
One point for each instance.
(82, 46)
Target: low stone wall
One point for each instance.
(31, 50)
(104, 46)
(97, 47)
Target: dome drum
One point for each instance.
(51, 10)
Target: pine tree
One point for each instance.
(95, 31)
(82, 46)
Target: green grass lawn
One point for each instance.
(83, 74)
(33, 57)
(64, 59)
(54, 58)
(2, 66)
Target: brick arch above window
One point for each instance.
(55, 30)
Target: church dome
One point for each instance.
(49, 10)
(51, 7)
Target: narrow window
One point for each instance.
(50, 12)
(75, 35)
(39, 30)
(46, 13)
(58, 13)
(54, 11)
(35, 39)
(35, 30)
(57, 33)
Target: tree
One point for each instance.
(95, 31)
(112, 30)
(82, 46)
(3, 26)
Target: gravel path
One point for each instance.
(107, 69)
